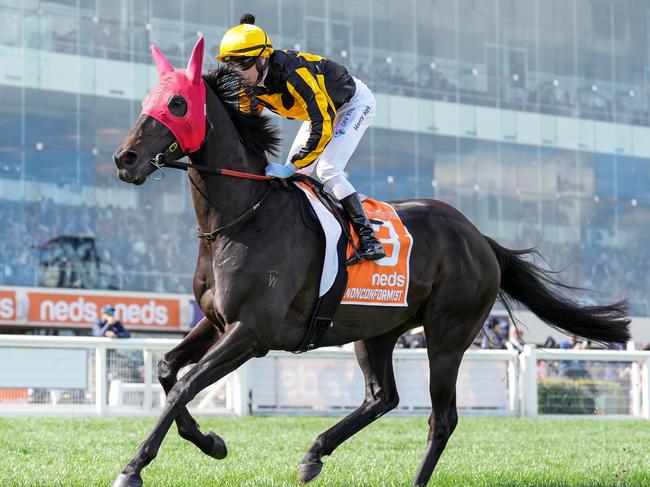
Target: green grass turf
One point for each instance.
(266, 452)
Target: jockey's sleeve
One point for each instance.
(307, 92)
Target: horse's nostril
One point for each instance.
(128, 157)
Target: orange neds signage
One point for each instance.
(81, 309)
(7, 305)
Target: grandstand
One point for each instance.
(530, 117)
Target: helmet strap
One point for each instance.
(260, 65)
(259, 61)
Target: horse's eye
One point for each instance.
(177, 105)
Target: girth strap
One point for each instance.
(322, 318)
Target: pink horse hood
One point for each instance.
(188, 128)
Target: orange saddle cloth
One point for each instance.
(383, 282)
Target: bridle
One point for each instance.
(170, 157)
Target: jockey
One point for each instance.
(336, 108)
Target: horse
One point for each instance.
(253, 232)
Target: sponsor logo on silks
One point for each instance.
(365, 112)
(340, 130)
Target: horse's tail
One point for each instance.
(524, 282)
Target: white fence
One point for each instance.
(99, 376)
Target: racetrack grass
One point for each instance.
(266, 452)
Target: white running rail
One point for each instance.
(44, 375)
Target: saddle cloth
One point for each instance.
(383, 282)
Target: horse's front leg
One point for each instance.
(202, 337)
(238, 345)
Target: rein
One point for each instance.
(162, 160)
(174, 151)
(224, 172)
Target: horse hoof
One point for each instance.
(219, 449)
(309, 470)
(126, 480)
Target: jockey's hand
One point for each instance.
(280, 170)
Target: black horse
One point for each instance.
(456, 276)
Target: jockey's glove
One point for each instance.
(280, 170)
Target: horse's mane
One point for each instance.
(257, 132)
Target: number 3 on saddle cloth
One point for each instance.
(382, 282)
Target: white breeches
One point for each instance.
(350, 123)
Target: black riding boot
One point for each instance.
(370, 249)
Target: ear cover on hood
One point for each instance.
(188, 129)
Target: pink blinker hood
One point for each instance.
(188, 129)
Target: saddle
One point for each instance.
(310, 218)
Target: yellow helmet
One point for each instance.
(245, 39)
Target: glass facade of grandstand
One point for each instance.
(530, 116)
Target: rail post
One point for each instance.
(241, 390)
(645, 388)
(528, 376)
(513, 386)
(635, 383)
(100, 379)
(147, 357)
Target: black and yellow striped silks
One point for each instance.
(305, 87)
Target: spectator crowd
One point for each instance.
(143, 250)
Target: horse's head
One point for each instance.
(173, 112)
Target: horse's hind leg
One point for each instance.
(442, 422)
(190, 350)
(375, 358)
(446, 344)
